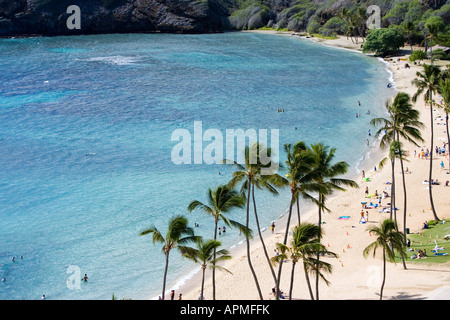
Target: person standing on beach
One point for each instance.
(272, 227)
(362, 216)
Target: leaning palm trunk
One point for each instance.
(203, 281)
(384, 273)
(405, 201)
(165, 276)
(248, 242)
(430, 192)
(280, 267)
(261, 237)
(214, 263)
(392, 205)
(448, 140)
(321, 201)
(404, 210)
(292, 281)
(308, 282)
(298, 210)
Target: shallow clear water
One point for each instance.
(85, 144)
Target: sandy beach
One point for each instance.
(353, 276)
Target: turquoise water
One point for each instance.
(85, 144)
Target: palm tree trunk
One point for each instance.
(448, 140)
(203, 281)
(248, 242)
(404, 201)
(292, 281)
(298, 210)
(393, 211)
(280, 267)
(214, 263)
(404, 210)
(384, 273)
(430, 192)
(308, 282)
(165, 276)
(404, 197)
(321, 201)
(261, 237)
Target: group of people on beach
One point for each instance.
(172, 296)
(424, 154)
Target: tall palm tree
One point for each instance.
(254, 173)
(304, 245)
(444, 90)
(178, 233)
(299, 165)
(388, 240)
(433, 29)
(300, 175)
(395, 152)
(361, 17)
(206, 254)
(222, 200)
(409, 28)
(403, 122)
(427, 82)
(327, 180)
(346, 16)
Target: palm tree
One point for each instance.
(433, 27)
(326, 181)
(403, 122)
(206, 254)
(299, 166)
(428, 81)
(409, 28)
(389, 240)
(178, 233)
(361, 17)
(300, 175)
(304, 245)
(395, 152)
(222, 200)
(444, 90)
(346, 16)
(254, 173)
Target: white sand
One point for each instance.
(353, 276)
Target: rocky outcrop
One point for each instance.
(49, 17)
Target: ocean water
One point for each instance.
(85, 145)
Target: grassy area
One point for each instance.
(425, 241)
(274, 29)
(318, 35)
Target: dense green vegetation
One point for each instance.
(346, 17)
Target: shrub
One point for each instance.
(383, 41)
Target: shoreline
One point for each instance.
(236, 286)
(369, 158)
